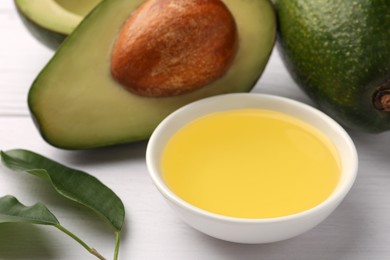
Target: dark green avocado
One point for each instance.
(51, 21)
(77, 104)
(339, 54)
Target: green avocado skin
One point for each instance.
(338, 52)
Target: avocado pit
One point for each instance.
(171, 47)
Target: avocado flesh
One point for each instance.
(77, 104)
(339, 54)
(50, 21)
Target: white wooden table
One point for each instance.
(358, 230)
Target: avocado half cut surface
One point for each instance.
(77, 104)
(50, 21)
(339, 54)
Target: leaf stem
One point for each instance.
(81, 242)
(117, 242)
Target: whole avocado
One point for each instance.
(338, 52)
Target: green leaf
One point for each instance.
(73, 184)
(11, 210)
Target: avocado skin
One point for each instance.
(338, 52)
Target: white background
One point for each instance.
(358, 229)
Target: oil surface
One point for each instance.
(251, 163)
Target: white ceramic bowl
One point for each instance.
(252, 230)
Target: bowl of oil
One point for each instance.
(251, 168)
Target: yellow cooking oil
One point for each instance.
(251, 163)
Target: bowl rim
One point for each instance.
(337, 195)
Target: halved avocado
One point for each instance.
(77, 104)
(50, 21)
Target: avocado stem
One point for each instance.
(382, 100)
